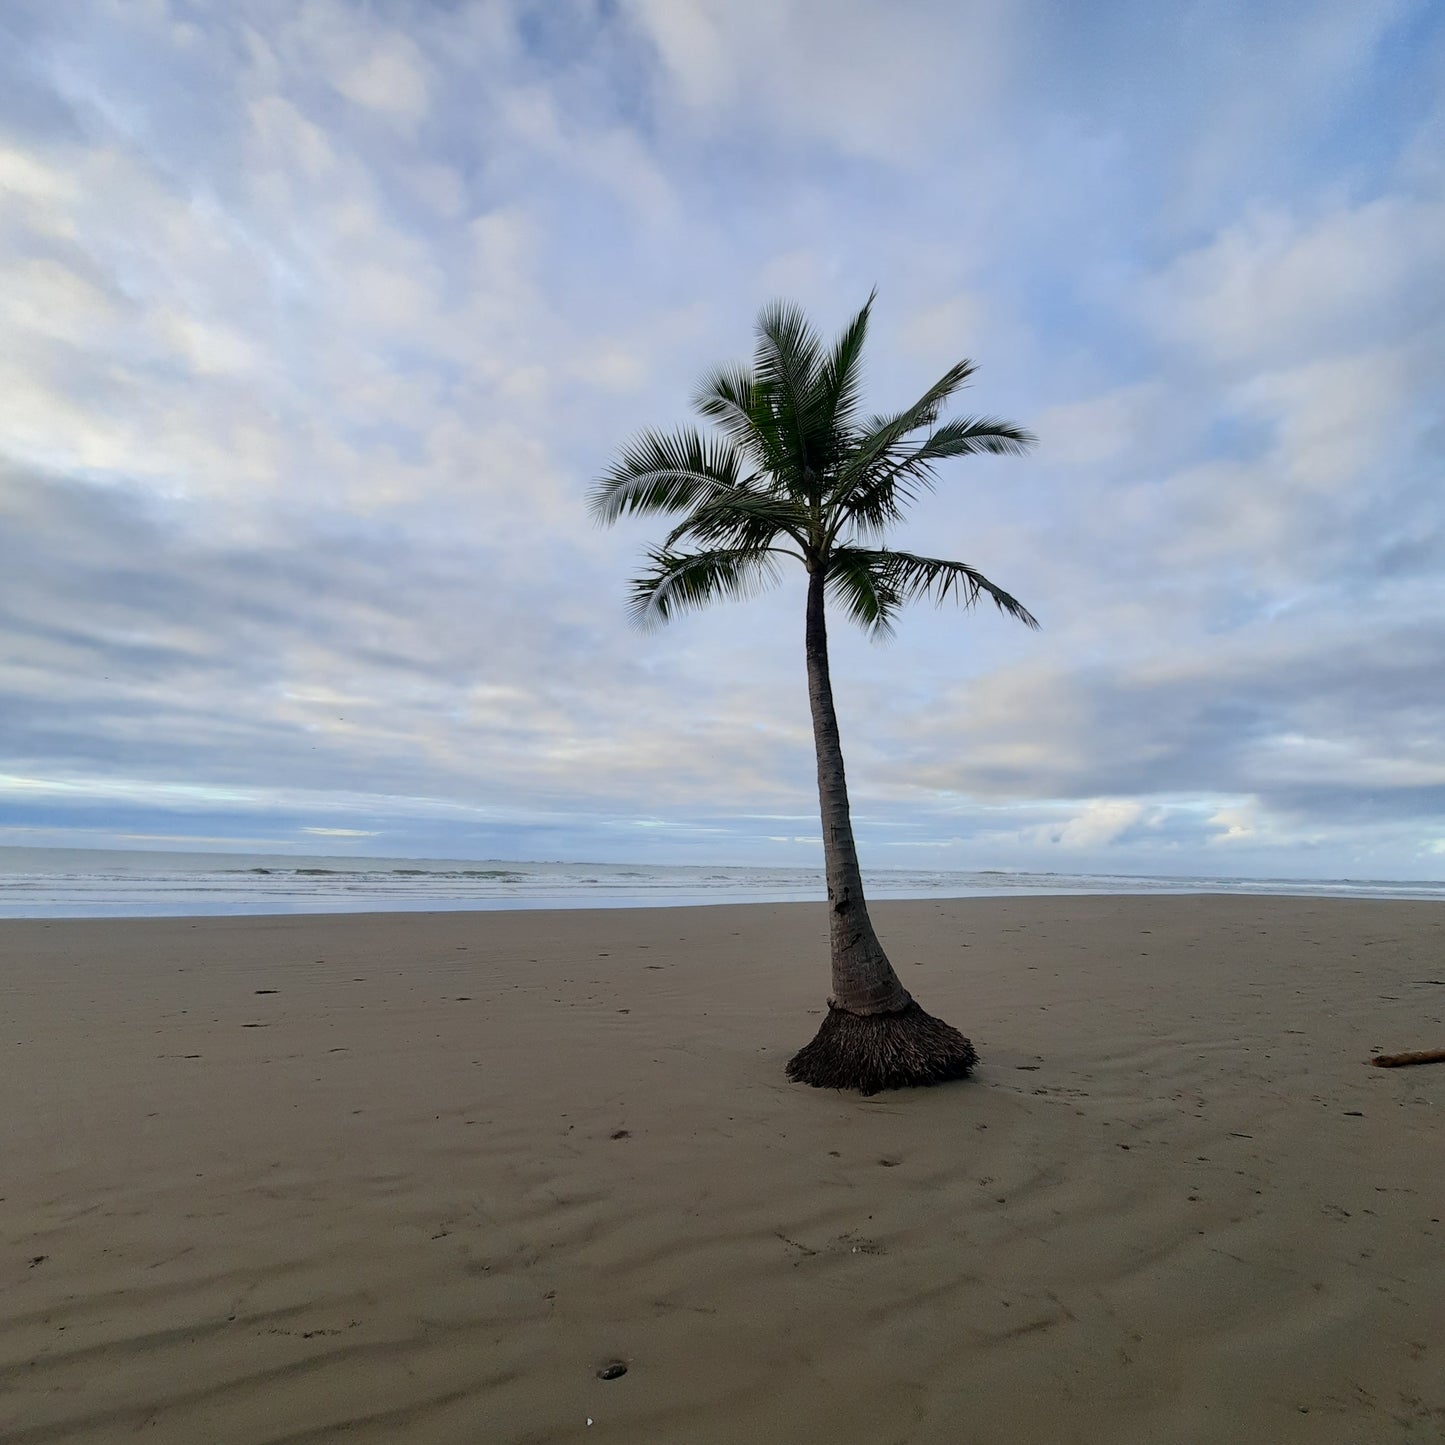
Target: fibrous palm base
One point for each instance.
(871, 1052)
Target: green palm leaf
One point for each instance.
(863, 590)
(743, 406)
(665, 472)
(741, 518)
(882, 435)
(786, 367)
(789, 473)
(840, 379)
(911, 578)
(681, 581)
(878, 499)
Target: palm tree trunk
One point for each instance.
(863, 979)
(874, 1036)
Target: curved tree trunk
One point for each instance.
(863, 979)
(874, 1036)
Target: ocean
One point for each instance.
(84, 883)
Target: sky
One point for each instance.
(319, 318)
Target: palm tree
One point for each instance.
(792, 472)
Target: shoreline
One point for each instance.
(1303, 891)
(147, 884)
(414, 1175)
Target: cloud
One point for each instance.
(316, 323)
(732, 61)
(1306, 730)
(1276, 287)
(1235, 824)
(375, 67)
(1103, 821)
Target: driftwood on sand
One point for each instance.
(1396, 1061)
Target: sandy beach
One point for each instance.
(420, 1177)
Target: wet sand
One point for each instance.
(420, 1177)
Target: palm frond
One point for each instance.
(882, 435)
(725, 395)
(679, 581)
(666, 472)
(877, 500)
(740, 518)
(789, 472)
(742, 405)
(911, 577)
(840, 380)
(786, 365)
(863, 591)
(968, 436)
